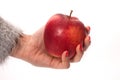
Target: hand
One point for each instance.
(31, 49)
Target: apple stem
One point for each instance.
(70, 13)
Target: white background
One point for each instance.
(100, 62)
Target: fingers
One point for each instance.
(88, 29)
(87, 42)
(60, 63)
(80, 49)
(79, 53)
(65, 61)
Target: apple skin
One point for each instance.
(63, 32)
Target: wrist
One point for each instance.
(19, 51)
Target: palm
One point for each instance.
(40, 56)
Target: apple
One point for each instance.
(63, 32)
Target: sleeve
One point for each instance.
(8, 38)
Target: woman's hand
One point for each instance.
(31, 49)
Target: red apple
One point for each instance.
(63, 32)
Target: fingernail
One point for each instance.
(89, 38)
(67, 54)
(81, 47)
(89, 28)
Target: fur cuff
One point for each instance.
(8, 38)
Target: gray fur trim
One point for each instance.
(8, 38)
